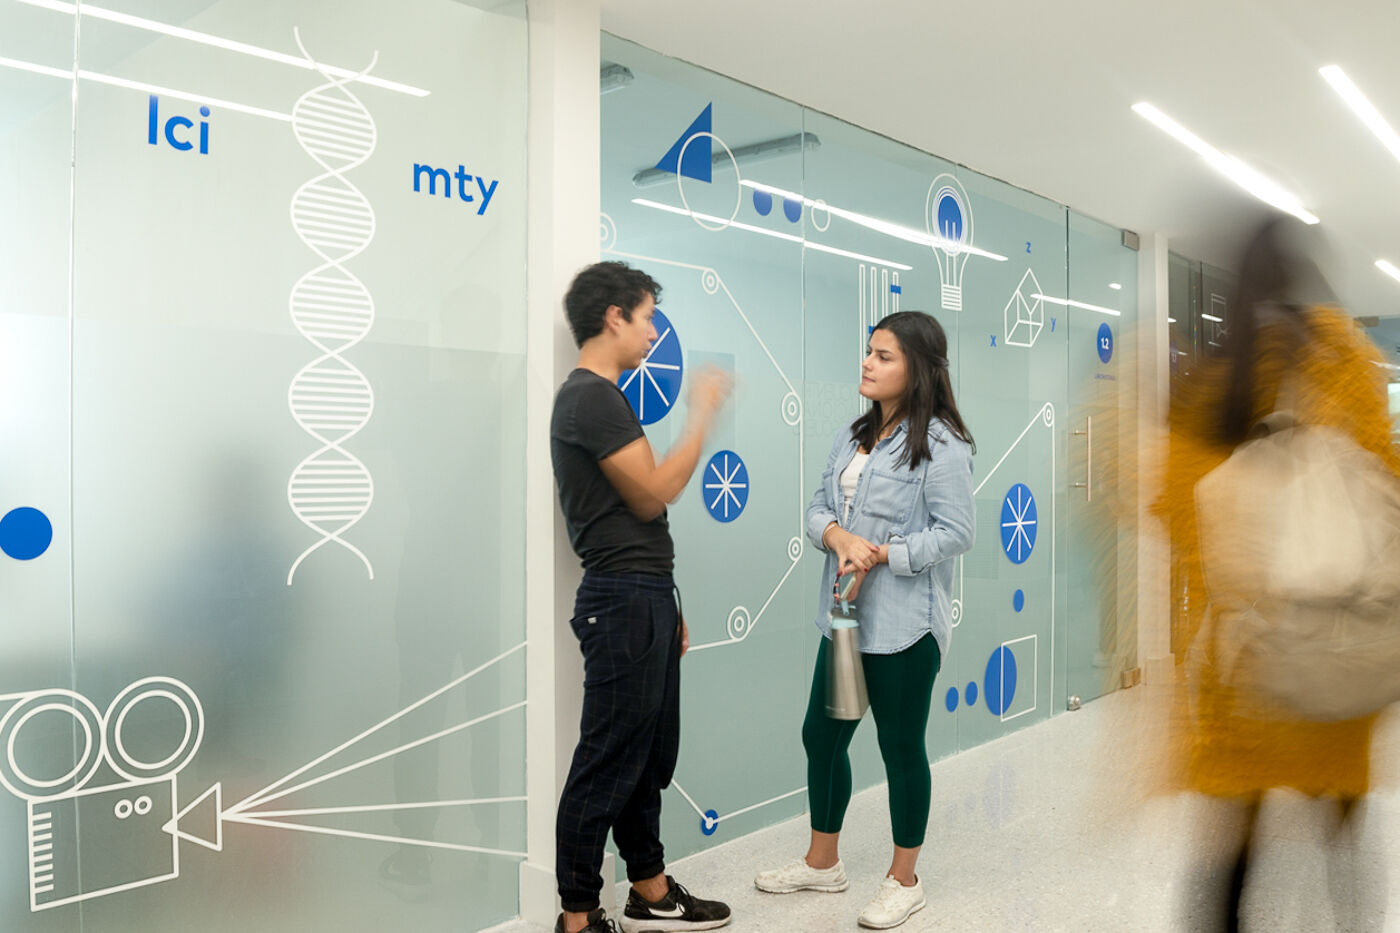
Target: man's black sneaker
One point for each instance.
(678, 910)
(598, 922)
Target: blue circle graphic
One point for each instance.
(1018, 523)
(709, 823)
(1018, 600)
(970, 693)
(951, 700)
(1105, 342)
(25, 533)
(950, 216)
(762, 202)
(792, 209)
(654, 387)
(725, 487)
(999, 683)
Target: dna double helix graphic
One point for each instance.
(329, 398)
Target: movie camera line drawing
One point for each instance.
(132, 815)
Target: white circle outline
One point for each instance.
(607, 226)
(709, 281)
(92, 751)
(148, 803)
(117, 810)
(739, 624)
(131, 759)
(116, 716)
(30, 714)
(820, 205)
(796, 416)
(951, 247)
(794, 548)
(738, 188)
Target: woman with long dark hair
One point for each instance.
(893, 507)
(1287, 347)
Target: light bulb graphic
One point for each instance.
(948, 217)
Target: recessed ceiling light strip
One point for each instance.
(1248, 178)
(1362, 107)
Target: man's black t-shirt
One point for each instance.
(592, 420)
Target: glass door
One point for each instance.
(1100, 436)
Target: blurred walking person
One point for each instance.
(1286, 350)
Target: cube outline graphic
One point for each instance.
(1030, 314)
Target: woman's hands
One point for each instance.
(853, 553)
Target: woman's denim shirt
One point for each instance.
(927, 518)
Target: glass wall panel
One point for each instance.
(729, 260)
(296, 347)
(1101, 628)
(1011, 386)
(829, 229)
(36, 153)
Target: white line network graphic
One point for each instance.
(741, 621)
(132, 813)
(330, 399)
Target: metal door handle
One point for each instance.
(1088, 435)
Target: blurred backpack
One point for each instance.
(1300, 547)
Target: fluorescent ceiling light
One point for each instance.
(1115, 286)
(874, 223)
(1070, 302)
(1362, 107)
(614, 77)
(744, 155)
(806, 244)
(145, 88)
(1263, 188)
(204, 38)
(1212, 317)
(1388, 268)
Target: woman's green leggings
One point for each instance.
(901, 688)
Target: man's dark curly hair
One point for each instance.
(598, 287)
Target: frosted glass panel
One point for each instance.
(296, 346)
(830, 229)
(732, 297)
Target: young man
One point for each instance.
(626, 616)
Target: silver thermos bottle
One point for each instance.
(845, 676)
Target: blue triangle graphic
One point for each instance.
(698, 155)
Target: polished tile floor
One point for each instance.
(1049, 829)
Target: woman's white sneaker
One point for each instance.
(893, 904)
(797, 875)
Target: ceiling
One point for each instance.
(1039, 95)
